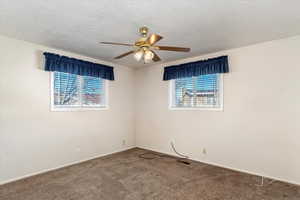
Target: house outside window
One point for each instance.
(203, 92)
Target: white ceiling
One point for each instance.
(204, 25)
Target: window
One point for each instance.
(74, 92)
(201, 92)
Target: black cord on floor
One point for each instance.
(152, 156)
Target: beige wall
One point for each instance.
(32, 138)
(259, 129)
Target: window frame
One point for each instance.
(204, 108)
(77, 107)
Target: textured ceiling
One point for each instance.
(204, 25)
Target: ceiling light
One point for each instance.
(148, 56)
(139, 55)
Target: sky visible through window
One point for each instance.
(65, 83)
(203, 83)
(92, 85)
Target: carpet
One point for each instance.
(127, 176)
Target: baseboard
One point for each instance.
(225, 167)
(62, 166)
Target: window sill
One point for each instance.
(195, 109)
(78, 109)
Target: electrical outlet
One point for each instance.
(204, 151)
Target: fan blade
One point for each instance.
(156, 58)
(168, 48)
(153, 38)
(124, 54)
(116, 43)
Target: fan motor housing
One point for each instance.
(144, 31)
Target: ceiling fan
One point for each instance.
(145, 46)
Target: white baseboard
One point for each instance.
(62, 166)
(226, 167)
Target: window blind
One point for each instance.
(93, 91)
(71, 90)
(201, 91)
(66, 89)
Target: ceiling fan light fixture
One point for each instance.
(148, 56)
(144, 47)
(139, 55)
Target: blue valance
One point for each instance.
(65, 64)
(210, 66)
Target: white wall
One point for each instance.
(259, 129)
(32, 138)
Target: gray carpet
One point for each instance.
(126, 176)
